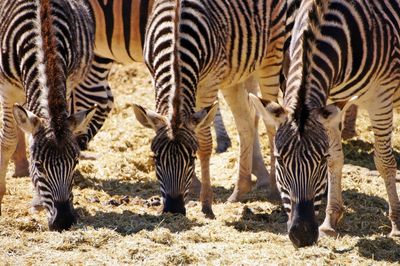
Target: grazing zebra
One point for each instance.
(344, 52)
(192, 48)
(46, 48)
(120, 30)
(119, 36)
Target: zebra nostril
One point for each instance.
(174, 205)
(64, 217)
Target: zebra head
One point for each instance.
(175, 153)
(302, 158)
(52, 162)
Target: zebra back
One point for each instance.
(120, 28)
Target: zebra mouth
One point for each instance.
(64, 217)
(174, 205)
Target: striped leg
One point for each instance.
(382, 125)
(238, 101)
(8, 142)
(19, 156)
(204, 153)
(94, 90)
(334, 206)
(349, 127)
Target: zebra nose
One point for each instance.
(174, 204)
(303, 228)
(64, 217)
(303, 234)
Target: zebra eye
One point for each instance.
(39, 166)
(278, 159)
(325, 158)
(76, 160)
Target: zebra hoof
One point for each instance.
(235, 197)
(325, 231)
(395, 231)
(21, 172)
(208, 212)
(223, 145)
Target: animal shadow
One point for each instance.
(254, 221)
(128, 222)
(115, 187)
(365, 214)
(379, 249)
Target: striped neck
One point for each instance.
(308, 82)
(50, 80)
(175, 76)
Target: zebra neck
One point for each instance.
(46, 87)
(176, 81)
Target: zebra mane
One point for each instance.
(176, 96)
(302, 108)
(55, 74)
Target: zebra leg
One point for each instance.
(349, 127)
(205, 149)
(237, 99)
(334, 206)
(94, 90)
(223, 140)
(382, 125)
(19, 156)
(8, 142)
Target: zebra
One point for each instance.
(120, 33)
(345, 53)
(46, 48)
(119, 36)
(192, 48)
(120, 30)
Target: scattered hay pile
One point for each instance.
(116, 197)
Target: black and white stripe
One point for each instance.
(46, 49)
(192, 49)
(344, 52)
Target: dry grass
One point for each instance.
(133, 232)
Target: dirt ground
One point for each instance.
(116, 197)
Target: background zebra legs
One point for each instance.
(349, 125)
(8, 139)
(19, 156)
(223, 139)
(237, 99)
(205, 149)
(382, 126)
(334, 206)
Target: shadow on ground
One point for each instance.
(114, 187)
(365, 215)
(128, 222)
(379, 249)
(254, 221)
(359, 152)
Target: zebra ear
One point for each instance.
(79, 122)
(25, 119)
(205, 116)
(330, 116)
(272, 113)
(149, 118)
